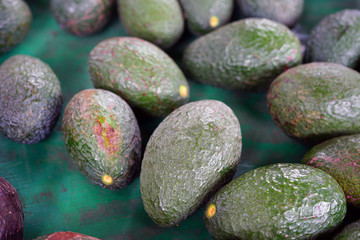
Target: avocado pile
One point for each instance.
(193, 159)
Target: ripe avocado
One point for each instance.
(66, 236)
(30, 99)
(203, 16)
(279, 201)
(286, 12)
(82, 17)
(194, 151)
(102, 137)
(158, 21)
(316, 101)
(336, 39)
(15, 22)
(11, 213)
(350, 232)
(139, 72)
(339, 157)
(246, 54)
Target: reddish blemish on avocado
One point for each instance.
(107, 137)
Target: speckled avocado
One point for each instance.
(339, 157)
(194, 151)
(158, 21)
(66, 236)
(246, 55)
(11, 213)
(30, 99)
(316, 101)
(279, 201)
(82, 17)
(350, 232)
(102, 137)
(139, 72)
(15, 22)
(336, 39)
(286, 12)
(203, 16)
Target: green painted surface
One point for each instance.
(57, 197)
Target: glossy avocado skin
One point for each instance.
(336, 39)
(246, 54)
(102, 137)
(15, 22)
(339, 157)
(194, 151)
(316, 101)
(279, 201)
(350, 232)
(30, 99)
(158, 21)
(66, 236)
(82, 17)
(11, 213)
(286, 12)
(203, 16)
(140, 72)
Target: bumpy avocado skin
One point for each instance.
(102, 137)
(286, 12)
(158, 21)
(30, 99)
(193, 152)
(280, 201)
(82, 17)
(15, 22)
(350, 232)
(66, 236)
(203, 16)
(339, 157)
(139, 72)
(246, 55)
(336, 39)
(316, 101)
(11, 213)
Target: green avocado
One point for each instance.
(336, 39)
(246, 55)
(279, 201)
(339, 157)
(102, 137)
(15, 22)
(286, 12)
(194, 151)
(158, 21)
(11, 213)
(140, 72)
(316, 101)
(30, 99)
(203, 16)
(350, 232)
(66, 236)
(82, 17)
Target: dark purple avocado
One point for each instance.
(11, 213)
(66, 236)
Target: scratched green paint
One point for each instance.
(56, 197)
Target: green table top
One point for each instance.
(56, 197)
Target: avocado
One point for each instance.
(336, 39)
(102, 137)
(82, 17)
(203, 16)
(316, 101)
(339, 158)
(66, 236)
(194, 151)
(15, 22)
(140, 72)
(350, 232)
(286, 12)
(30, 99)
(246, 54)
(11, 213)
(158, 21)
(279, 201)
